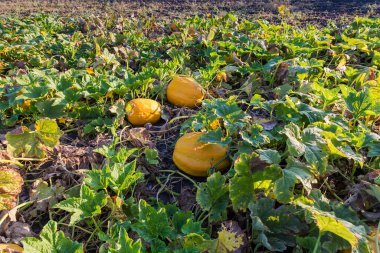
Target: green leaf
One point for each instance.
(215, 137)
(180, 219)
(255, 136)
(374, 190)
(270, 156)
(248, 178)
(151, 156)
(358, 102)
(283, 187)
(213, 197)
(32, 144)
(242, 180)
(228, 110)
(89, 204)
(309, 144)
(51, 241)
(51, 108)
(192, 227)
(123, 176)
(119, 109)
(313, 114)
(33, 92)
(272, 227)
(152, 224)
(198, 244)
(313, 142)
(295, 147)
(97, 179)
(374, 149)
(126, 244)
(300, 171)
(10, 187)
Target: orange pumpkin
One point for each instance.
(185, 91)
(142, 110)
(196, 158)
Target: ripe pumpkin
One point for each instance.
(196, 158)
(185, 91)
(142, 110)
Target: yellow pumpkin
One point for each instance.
(185, 91)
(142, 110)
(196, 158)
(11, 248)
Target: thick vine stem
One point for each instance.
(183, 175)
(12, 162)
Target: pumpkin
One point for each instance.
(196, 158)
(185, 91)
(142, 110)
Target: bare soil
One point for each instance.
(315, 11)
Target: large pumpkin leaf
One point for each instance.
(10, 187)
(24, 142)
(213, 196)
(89, 204)
(309, 144)
(52, 241)
(126, 244)
(252, 174)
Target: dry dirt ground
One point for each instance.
(316, 11)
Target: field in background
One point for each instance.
(303, 11)
(291, 98)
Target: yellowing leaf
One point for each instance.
(229, 241)
(10, 187)
(211, 34)
(10, 248)
(33, 144)
(332, 225)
